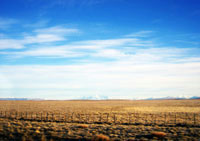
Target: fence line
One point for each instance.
(108, 118)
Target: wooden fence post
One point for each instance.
(114, 118)
(194, 116)
(46, 116)
(41, 116)
(36, 116)
(31, 115)
(9, 114)
(129, 118)
(146, 121)
(155, 119)
(100, 117)
(16, 115)
(88, 118)
(165, 118)
(72, 117)
(65, 117)
(53, 117)
(107, 118)
(21, 115)
(175, 118)
(79, 117)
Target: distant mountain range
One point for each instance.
(21, 99)
(176, 98)
(97, 97)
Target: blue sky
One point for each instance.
(69, 49)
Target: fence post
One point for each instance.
(114, 118)
(107, 117)
(175, 118)
(72, 117)
(79, 117)
(88, 118)
(129, 118)
(21, 114)
(146, 122)
(65, 117)
(25, 115)
(9, 114)
(31, 115)
(100, 117)
(52, 116)
(41, 117)
(155, 119)
(36, 116)
(16, 115)
(194, 119)
(47, 114)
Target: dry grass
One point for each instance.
(101, 137)
(12, 129)
(83, 126)
(151, 106)
(159, 134)
(119, 112)
(32, 130)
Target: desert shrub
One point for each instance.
(159, 134)
(101, 137)
(83, 126)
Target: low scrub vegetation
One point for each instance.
(99, 120)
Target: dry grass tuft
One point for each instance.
(83, 126)
(101, 137)
(37, 131)
(159, 134)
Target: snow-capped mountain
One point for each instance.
(96, 97)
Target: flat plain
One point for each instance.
(100, 120)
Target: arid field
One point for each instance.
(96, 120)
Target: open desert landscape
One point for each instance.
(100, 120)
(99, 70)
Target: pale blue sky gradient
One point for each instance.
(69, 49)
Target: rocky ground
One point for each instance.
(27, 130)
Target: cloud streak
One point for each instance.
(6, 23)
(132, 64)
(43, 35)
(109, 78)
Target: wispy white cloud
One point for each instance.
(5, 23)
(131, 65)
(131, 49)
(188, 42)
(48, 52)
(112, 79)
(42, 38)
(38, 24)
(51, 34)
(98, 48)
(99, 44)
(57, 30)
(110, 53)
(11, 44)
(144, 33)
(42, 35)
